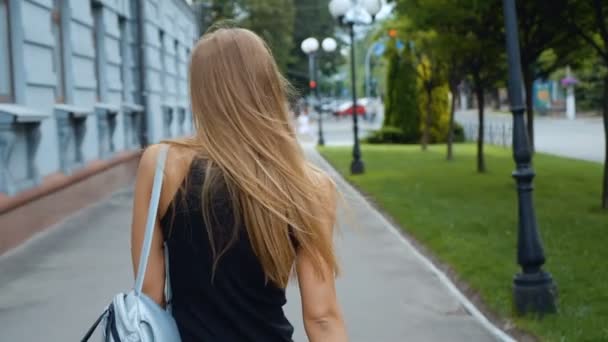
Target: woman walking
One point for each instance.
(241, 210)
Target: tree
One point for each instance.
(589, 19)
(312, 19)
(541, 28)
(273, 20)
(455, 72)
(590, 74)
(486, 68)
(479, 27)
(401, 108)
(430, 70)
(438, 111)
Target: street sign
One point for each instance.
(379, 49)
(399, 44)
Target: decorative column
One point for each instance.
(132, 124)
(33, 143)
(167, 120)
(106, 123)
(71, 126)
(181, 121)
(7, 141)
(19, 123)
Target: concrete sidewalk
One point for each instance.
(389, 291)
(52, 288)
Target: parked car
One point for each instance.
(347, 108)
(327, 106)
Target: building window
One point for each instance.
(98, 36)
(58, 62)
(124, 58)
(6, 73)
(163, 66)
(177, 72)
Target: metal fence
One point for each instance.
(495, 133)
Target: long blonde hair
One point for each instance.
(243, 127)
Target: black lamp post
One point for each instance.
(349, 15)
(310, 46)
(533, 288)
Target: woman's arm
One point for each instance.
(322, 315)
(323, 319)
(155, 273)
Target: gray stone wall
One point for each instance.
(92, 106)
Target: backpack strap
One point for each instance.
(168, 292)
(151, 220)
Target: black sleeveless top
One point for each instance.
(237, 305)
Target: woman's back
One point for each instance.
(241, 219)
(232, 303)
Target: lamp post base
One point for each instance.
(534, 293)
(357, 167)
(321, 141)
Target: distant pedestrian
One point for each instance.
(303, 123)
(240, 207)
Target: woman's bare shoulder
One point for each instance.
(323, 181)
(178, 157)
(177, 165)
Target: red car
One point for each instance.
(347, 109)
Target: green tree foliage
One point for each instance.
(284, 24)
(439, 111)
(589, 92)
(401, 105)
(273, 20)
(430, 69)
(541, 29)
(312, 19)
(392, 73)
(589, 19)
(478, 27)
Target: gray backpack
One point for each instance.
(135, 317)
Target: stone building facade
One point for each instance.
(83, 81)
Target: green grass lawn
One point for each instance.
(469, 221)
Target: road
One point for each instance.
(339, 132)
(582, 138)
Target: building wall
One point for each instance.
(101, 50)
(167, 40)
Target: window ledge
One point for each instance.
(10, 113)
(132, 107)
(74, 110)
(168, 105)
(109, 108)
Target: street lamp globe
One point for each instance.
(338, 8)
(372, 7)
(329, 44)
(309, 45)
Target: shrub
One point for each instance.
(389, 135)
(401, 109)
(458, 133)
(440, 111)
